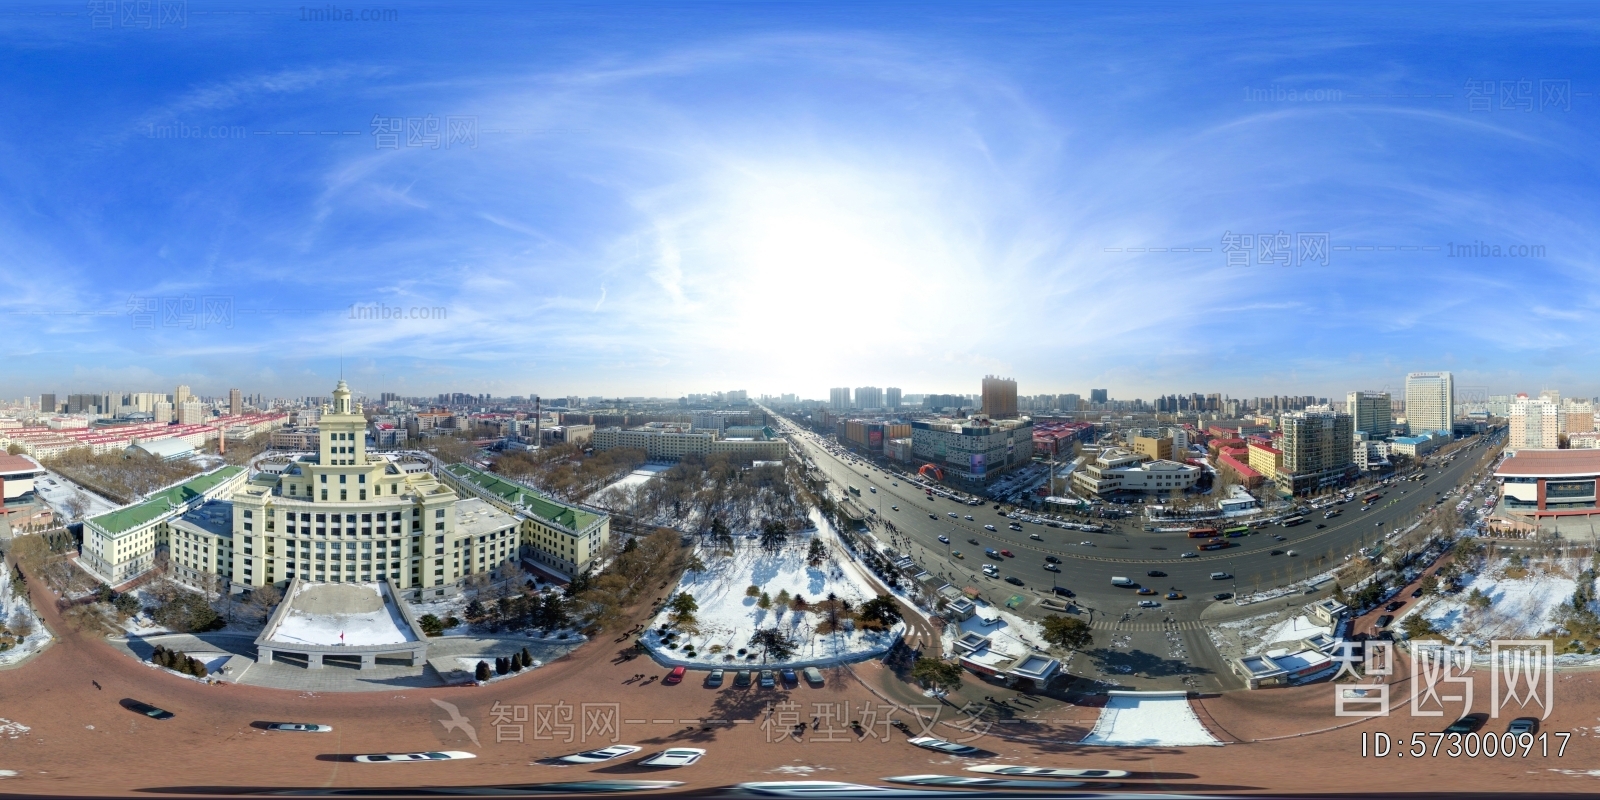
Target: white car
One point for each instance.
(988, 527)
(437, 755)
(930, 743)
(944, 539)
(603, 754)
(300, 727)
(1036, 537)
(969, 517)
(674, 757)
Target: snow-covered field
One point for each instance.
(356, 624)
(727, 618)
(638, 477)
(1520, 608)
(16, 606)
(1149, 719)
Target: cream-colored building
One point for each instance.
(121, 545)
(560, 537)
(673, 443)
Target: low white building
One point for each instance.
(1117, 470)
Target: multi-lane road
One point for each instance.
(1126, 550)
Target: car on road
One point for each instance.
(1146, 590)
(1394, 605)
(300, 727)
(148, 710)
(944, 538)
(1148, 604)
(1063, 591)
(1052, 567)
(942, 746)
(1052, 559)
(767, 680)
(1221, 595)
(1190, 554)
(674, 757)
(1007, 554)
(714, 679)
(1174, 595)
(992, 553)
(603, 754)
(1086, 544)
(1522, 725)
(1220, 576)
(1321, 526)
(1034, 536)
(675, 676)
(741, 679)
(1377, 524)
(1417, 592)
(394, 758)
(989, 527)
(894, 508)
(788, 676)
(1156, 573)
(1014, 526)
(952, 515)
(1014, 580)
(969, 518)
(933, 516)
(973, 540)
(1384, 620)
(1467, 724)
(813, 675)
(1276, 553)
(957, 554)
(1280, 538)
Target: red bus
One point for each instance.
(1371, 498)
(1202, 533)
(1214, 544)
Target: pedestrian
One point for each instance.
(96, 684)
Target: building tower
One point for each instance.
(1430, 402)
(999, 397)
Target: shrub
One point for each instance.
(527, 660)
(502, 665)
(431, 625)
(482, 673)
(752, 590)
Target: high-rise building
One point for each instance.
(891, 397)
(48, 404)
(1317, 450)
(1534, 423)
(999, 397)
(235, 402)
(162, 411)
(1097, 396)
(191, 412)
(1430, 402)
(869, 397)
(1070, 402)
(181, 395)
(839, 399)
(1370, 412)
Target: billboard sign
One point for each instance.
(979, 464)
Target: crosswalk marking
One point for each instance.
(1187, 625)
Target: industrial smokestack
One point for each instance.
(538, 417)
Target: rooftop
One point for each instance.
(14, 465)
(569, 517)
(475, 517)
(138, 514)
(1551, 463)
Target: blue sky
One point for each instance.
(660, 199)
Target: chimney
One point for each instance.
(538, 441)
(222, 443)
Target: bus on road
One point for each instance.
(1202, 533)
(1371, 498)
(855, 491)
(1236, 531)
(1293, 521)
(1215, 544)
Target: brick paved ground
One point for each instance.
(80, 740)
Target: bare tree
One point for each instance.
(264, 600)
(77, 505)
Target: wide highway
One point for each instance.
(1088, 561)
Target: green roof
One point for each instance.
(138, 515)
(570, 517)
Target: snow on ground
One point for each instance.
(1149, 719)
(16, 606)
(1250, 636)
(1291, 630)
(341, 613)
(727, 618)
(56, 490)
(1520, 608)
(638, 477)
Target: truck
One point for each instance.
(1122, 582)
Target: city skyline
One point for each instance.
(584, 205)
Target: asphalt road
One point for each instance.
(1127, 550)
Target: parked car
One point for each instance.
(767, 679)
(674, 757)
(714, 679)
(942, 746)
(1063, 591)
(1383, 621)
(741, 679)
(603, 754)
(1522, 725)
(788, 676)
(944, 538)
(1467, 724)
(675, 676)
(1012, 579)
(1221, 595)
(300, 727)
(148, 710)
(394, 758)
(1394, 605)
(813, 676)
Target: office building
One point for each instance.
(1098, 396)
(48, 404)
(891, 397)
(999, 397)
(1370, 413)
(839, 399)
(1430, 402)
(1549, 483)
(1318, 450)
(235, 403)
(673, 442)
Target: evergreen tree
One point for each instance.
(482, 673)
(516, 663)
(502, 665)
(527, 660)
